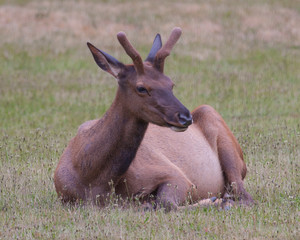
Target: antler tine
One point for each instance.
(166, 49)
(131, 52)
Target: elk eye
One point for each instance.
(141, 89)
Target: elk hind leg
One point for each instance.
(226, 146)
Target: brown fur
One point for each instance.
(141, 158)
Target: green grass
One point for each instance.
(49, 85)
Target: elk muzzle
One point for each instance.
(181, 122)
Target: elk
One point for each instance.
(133, 147)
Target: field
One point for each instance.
(241, 57)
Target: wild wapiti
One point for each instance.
(133, 145)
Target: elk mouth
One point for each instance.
(176, 128)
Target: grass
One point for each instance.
(241, 57)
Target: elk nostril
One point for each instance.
(185, 120)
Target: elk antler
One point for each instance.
(166, 49)
(130, 50)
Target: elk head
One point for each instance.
(144, 90)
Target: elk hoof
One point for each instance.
(226, 204)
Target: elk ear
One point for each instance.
(155, 47)
(105, 61)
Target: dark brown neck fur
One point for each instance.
(113, 143)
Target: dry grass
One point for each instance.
(73, 23)
(242, 57)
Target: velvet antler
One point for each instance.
(166, 49)
(132, 52)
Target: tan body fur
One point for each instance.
(191, 161)
(188, 161)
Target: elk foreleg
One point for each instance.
(173, 197)
(173, 193)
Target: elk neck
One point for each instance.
(128, 132)
(115, 139)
